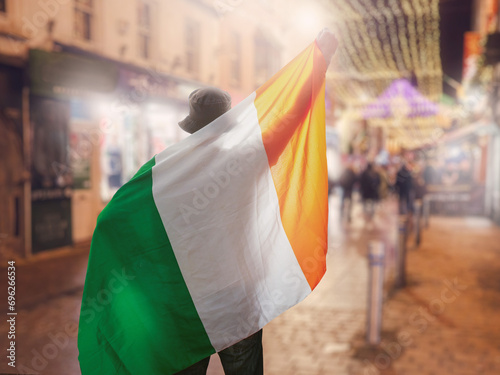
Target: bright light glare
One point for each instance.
(308, 20)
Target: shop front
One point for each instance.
(492, 198)
(62, 183)
(94, 124)
(457, 175)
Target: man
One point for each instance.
(244, 357)
(404, 188)
(205, 105)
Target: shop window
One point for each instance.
(192, 45)
(267, 59)
(145, 29)
(84, 19)
(3, 6)
(235, 59)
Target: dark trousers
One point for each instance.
(243, 358)
(405, 204)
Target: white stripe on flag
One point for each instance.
(216, 197)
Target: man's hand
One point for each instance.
(327, 43)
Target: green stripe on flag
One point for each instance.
(137, 315)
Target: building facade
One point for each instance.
(91, 89)
(479, 99)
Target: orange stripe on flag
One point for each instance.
(291, 112)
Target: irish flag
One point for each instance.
(213, 237)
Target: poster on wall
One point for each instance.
(453, 180)
(80, 159)
(451, 169)
(113, 147)
(472, 54)
(51, 175)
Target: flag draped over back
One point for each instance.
(213, 237)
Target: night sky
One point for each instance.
(456, 19)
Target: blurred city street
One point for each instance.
(207, 149)
(444, 322)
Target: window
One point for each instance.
(267, 59)
(3, 6)
(192, 45)
(144, 27)
(235, 59)
(83, 19)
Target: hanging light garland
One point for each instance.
(395, 38)
(382, 41)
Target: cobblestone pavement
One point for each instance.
(316, 336)
(444, 322)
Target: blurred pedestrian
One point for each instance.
(385, 184)
(404, 189)
(369, 183)
(420, 185)
(347, 180)
(429, 173)
(244, 357)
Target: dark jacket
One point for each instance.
(347, 179)
(369, 183)
(404, 182)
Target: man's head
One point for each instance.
(205, 105)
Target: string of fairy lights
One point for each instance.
(383, 40)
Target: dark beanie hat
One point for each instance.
(205, 105)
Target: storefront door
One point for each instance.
(12, 169)
(11, 188)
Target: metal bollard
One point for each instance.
(400, 278)
(376, 258)
(418, 215)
